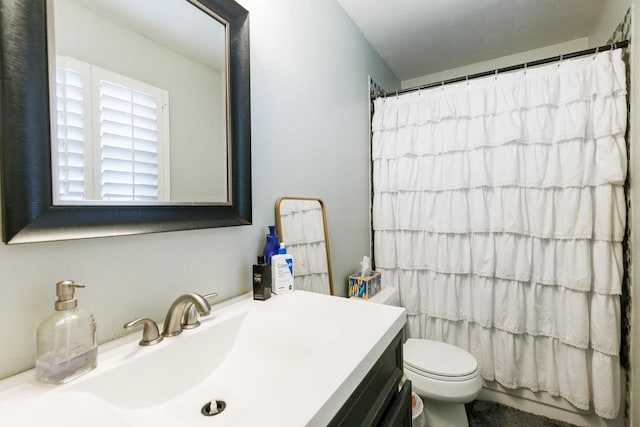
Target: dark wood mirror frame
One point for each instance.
(28, 213)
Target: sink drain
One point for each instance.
(213, 408)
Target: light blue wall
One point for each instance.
(309, 71)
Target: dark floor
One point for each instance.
(491, 414)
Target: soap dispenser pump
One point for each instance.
(66, 340)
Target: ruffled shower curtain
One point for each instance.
(498, 214)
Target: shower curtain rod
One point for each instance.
(585, 52)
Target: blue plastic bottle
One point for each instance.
(271, 245)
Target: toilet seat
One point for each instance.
(440, 377)
(438, 360)
(441, 372)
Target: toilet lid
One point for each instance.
(438, 358)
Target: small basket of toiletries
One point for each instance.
(364, 286)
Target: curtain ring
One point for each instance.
(495, 73)
(467, 79)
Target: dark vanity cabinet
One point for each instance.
(379, 400)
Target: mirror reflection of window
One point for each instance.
(170, 45)
(125, 120)
(70, 138)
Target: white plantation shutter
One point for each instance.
(130, 120)
(71, 112)
(129, 143)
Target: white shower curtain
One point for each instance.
(498, 214)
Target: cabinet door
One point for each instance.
(398, 413)
(370, 401)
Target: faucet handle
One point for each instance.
(190, 319)
(150, 332)
(211, 296)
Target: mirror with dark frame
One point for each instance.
(38, 121)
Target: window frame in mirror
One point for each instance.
(28, 212)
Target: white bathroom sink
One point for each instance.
(157, 374)
(290, 361)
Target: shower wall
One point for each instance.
(505, 61)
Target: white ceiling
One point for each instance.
(420, 37)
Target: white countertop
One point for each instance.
(290, 361)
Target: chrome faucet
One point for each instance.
(173, 321)
(190, 318)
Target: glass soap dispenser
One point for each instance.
(66, 340)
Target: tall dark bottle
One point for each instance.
(261, 280)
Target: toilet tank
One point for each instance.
(387, 295)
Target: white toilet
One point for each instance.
(445, 376)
